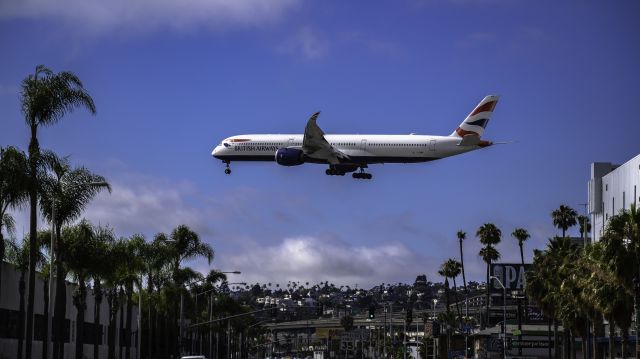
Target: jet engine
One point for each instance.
(289, 157)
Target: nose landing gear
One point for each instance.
(227, 170)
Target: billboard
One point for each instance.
(512, 275)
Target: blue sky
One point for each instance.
(171, 81)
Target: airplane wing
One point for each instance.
(316, 146)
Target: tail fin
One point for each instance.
(477, 120)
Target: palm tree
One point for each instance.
(521, 235)
(104, 237)
(488, 254)
(452, 269)
(183, 244)
(71, 189)
(116, 263)
(564, 217)
(186, 244)
(461, 237)
(490, 236)
(136, 248)
(585, 226)
(82, 252)
(46, 98)
(13, 192)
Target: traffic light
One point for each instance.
(409, 317)
(372, 312)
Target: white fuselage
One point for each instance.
(361, 149)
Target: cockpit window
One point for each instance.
(226, 144)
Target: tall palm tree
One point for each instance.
(489, 235)
(488, 254)
(82, 251)
(461, 237)
(452, 269)
(564, 218)
(13, 192)
(46, 98)
(186, 244)
(71, 189)
(116, 255)
(183, 243)
(521, 235)
(105, 238)
(136, 247)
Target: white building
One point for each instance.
(612, 188)
(9, 317)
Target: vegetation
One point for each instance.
(578, 288)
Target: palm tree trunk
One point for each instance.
(60, 307)
(97, 294)
(33, 252)
(455, 290)
(128, 329)
(612, 333)
(572, 344)
(464, 282)
(34, 153)
(549, 336)
(625, 342)
(150, 332)
(521, 254)
(556, 341)
(21, 290)
(567, 343)
(594, 342)
(80, 303)
(113, 310)
(45, 293)
(121, 323)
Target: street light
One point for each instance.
(49, 340)
(504, 315)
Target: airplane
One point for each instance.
(348, 153)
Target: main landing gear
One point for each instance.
(341, 170)
(362, 175)
(228, 169)
(334, 172)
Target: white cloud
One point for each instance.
(308, 43)
(147, 206)
(320, 258)
(100, 15)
